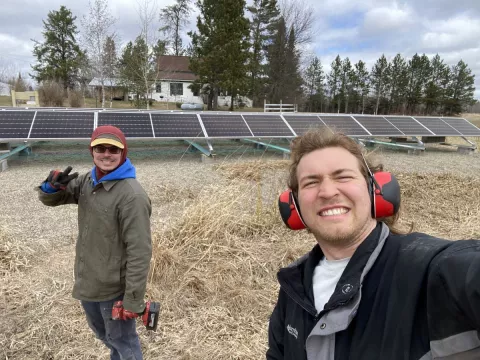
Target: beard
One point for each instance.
(338, 235)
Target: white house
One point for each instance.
(174, 79)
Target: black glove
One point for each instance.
(59, 180)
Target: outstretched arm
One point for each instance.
(454, 297)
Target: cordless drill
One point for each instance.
(149, 316)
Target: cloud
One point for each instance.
(361, 30)
(452, 34)
(379, 21)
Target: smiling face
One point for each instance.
(106, 161)
(333, 197)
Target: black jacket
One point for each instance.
(402, 297)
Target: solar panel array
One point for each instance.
(28, 124)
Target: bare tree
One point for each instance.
(148, 67)
(97, 29)
(175, 18)
(299, 15)
(8, 70)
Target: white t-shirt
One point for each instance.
(325, 278)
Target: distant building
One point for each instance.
(174, 79)
(112, 86)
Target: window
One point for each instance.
(158, 87)
(176, 88)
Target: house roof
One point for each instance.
(175, 68)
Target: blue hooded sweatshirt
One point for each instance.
(124, 171)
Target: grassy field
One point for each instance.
(218, 243)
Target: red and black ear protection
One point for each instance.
(384, 192)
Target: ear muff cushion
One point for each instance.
(289, 211)
(387, 202)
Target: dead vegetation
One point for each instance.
(213, 269)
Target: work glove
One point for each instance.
(58, 180)
(119, 312)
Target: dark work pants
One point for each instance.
(118, 335)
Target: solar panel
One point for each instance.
(408, 125)
(62, 125)
(268, 125)
(301, 124)
(463, 126)
(132, 124)
(344, 124)
(15, 124)
(378, 125)
(176, 125)
(437, 126)
(232, 126)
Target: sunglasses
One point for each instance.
(111, 149)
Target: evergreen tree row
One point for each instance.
(418, 86)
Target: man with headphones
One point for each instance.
(367, 291)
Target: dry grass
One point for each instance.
(214, 265)
(252, 170)
(12, 258)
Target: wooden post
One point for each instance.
(14, 100)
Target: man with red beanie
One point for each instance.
(113, 249)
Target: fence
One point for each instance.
(279, 107)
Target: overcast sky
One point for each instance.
(359, 29)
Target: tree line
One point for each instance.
(237, 50)
(421, 85)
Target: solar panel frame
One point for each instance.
(437, 126)
(350, 126)
(268, 126)
(300, 124)
(409, 126)
(217, 126)
(191, 126)
(140, 128)
(15, 124)
(463, 126)
(378, 125)
(73, 125)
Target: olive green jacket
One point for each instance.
(113, 249)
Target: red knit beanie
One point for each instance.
(109, 135)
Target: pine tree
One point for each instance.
(418, 75)
(175, 18)
(314, 81)
(363, 86)
(132, 71)
(293, 79)
(276, 56)
(378, 79)
(59, 56)
(434, 90)
(461, 89)
(221, 48)
(334, 81)
(265, 15)
(397, 79)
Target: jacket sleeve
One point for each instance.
(454, 290)
(134, 222)
(62, 197)
(276, 330)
